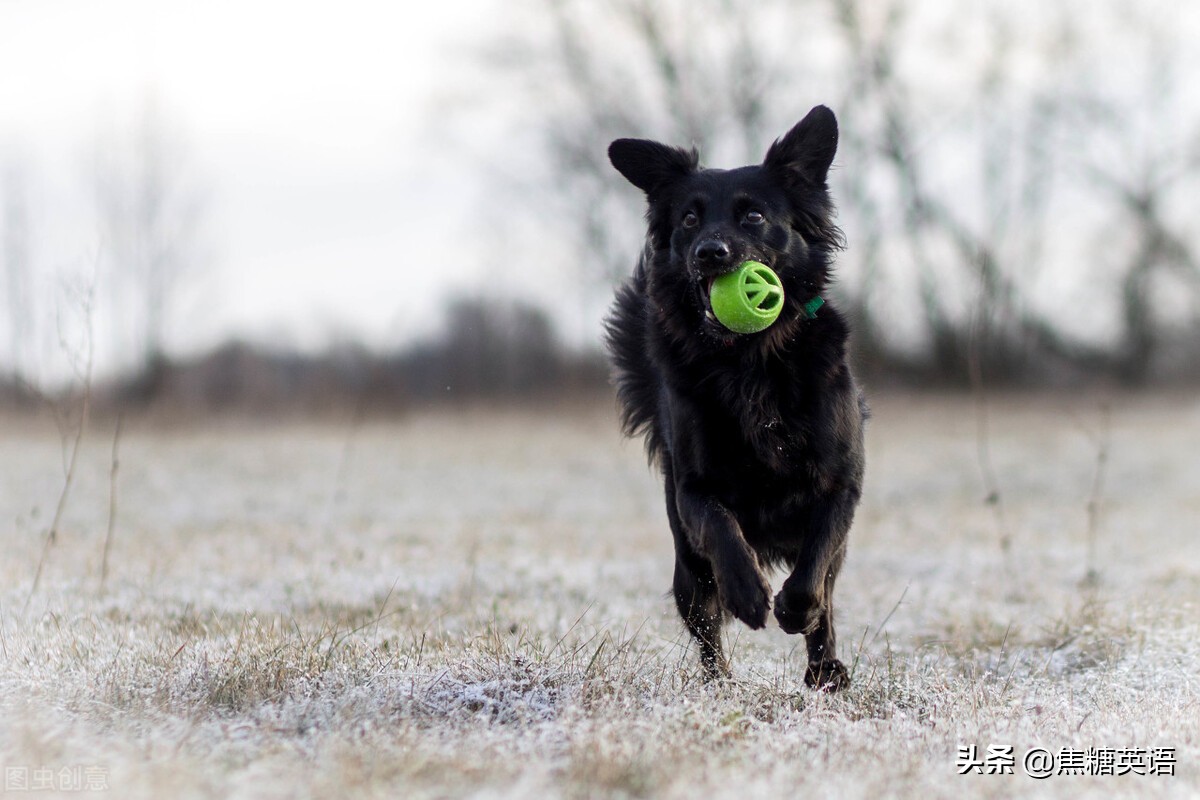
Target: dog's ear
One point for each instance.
(650, 165)
(807, 149)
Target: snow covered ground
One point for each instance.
(476, 604)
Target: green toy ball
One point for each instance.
(748, 299)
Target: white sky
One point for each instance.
(311, 125)
(343, 200)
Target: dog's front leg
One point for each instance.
(712, 532)
(715, 534)
(805, 602)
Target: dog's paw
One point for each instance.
(796, 615)
(746, 595)
(829, 675)
(715, 671)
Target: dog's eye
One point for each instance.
(754, 217)
(690, 220)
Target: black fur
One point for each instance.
(759, 436)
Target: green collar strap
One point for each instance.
(810, 308)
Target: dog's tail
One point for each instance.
(636, 380)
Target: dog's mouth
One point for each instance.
(710, 325)
(706, 284)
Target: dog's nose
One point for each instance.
(712, 251)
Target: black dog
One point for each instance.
(759, 436)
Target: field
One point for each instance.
(475, 603)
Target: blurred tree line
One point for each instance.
(1014, 177)
(489, 352)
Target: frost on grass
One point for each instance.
(476, 605)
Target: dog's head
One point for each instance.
(705, 222)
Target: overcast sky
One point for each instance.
(340, 150)
(310, 128)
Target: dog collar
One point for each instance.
(810, 308)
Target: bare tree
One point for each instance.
(975, 243)
(971, 173)
(1145, 163)
(698, 72)
(16, 253)
(151, 210)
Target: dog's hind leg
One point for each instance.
(824, 670)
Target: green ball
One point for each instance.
(748, 299)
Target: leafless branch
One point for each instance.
(112, 500)
(87, 301)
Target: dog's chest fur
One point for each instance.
(745, 415)
(751, 425)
